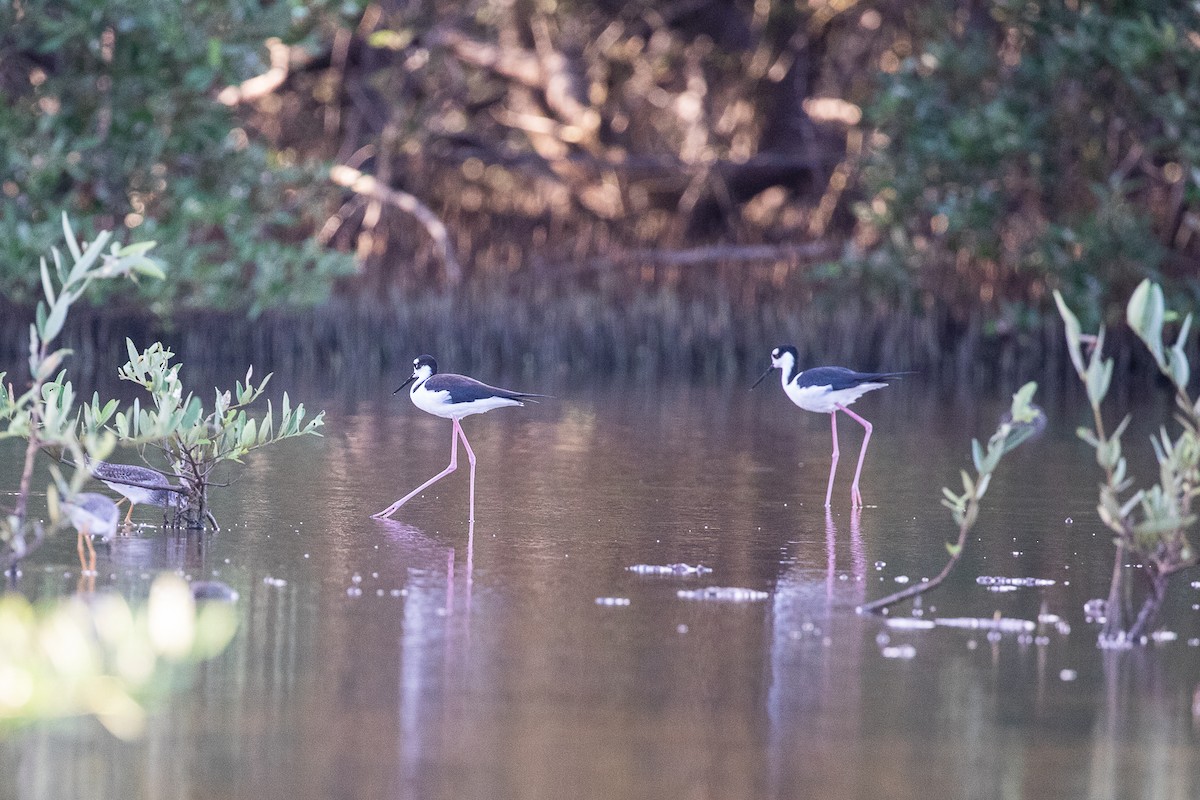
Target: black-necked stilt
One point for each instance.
(91, 514)
(138, 485)
(827, 390)
(452, 397)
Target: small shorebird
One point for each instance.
(91, 514)
(138, 485)
(827, 390)
(452, 397)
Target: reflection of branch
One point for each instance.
(721, 252)
(368, 186)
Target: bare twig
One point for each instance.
(366, 185)
(260, 85)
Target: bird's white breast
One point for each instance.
(137, 494)
(823, 399)
(439, 404)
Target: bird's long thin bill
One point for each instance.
(411, 378)
(762, 377)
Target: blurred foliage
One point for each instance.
(109, 114)
(45, 415)
(1024, 147)
(101, 656)
(1150, 524)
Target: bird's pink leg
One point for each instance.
(454, 432)
(471, 458)
(834, 460)
(855, 495)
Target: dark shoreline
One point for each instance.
(581, 338)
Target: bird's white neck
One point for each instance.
(787, 365)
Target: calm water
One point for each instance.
(419, 659)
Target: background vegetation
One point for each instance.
(946, 157)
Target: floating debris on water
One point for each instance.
(1015, 583)
(1096, 609)
(729, 594)
(1068, 675)
(669, 569)
(903, 652)
(901, 579)
(1000, 624)
(612, 601)
(910, 623)
(354, 591)
(276, 582)
(1164, 636)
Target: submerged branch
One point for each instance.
(876, 606)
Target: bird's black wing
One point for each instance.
(465, 390)
(841, 378)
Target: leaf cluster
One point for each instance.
(1023, 420)
(223, 433)
(1151, 522)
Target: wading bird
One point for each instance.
(137, 485)
(91, 514)
(827, 390)
(452, 397)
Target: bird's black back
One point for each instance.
(842, 378)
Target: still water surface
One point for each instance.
(419, 659)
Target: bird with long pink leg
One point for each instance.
(828, 390)
(452, 397)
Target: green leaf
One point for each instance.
(1088, 436)
(47, 286)
(72, 245)
(55, 319)
(1144, 313)
(1074, 331)
(954, 549)
(977, 456)
(85, 262)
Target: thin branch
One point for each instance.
(262, 85)
(367, 186)
(876, 606)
